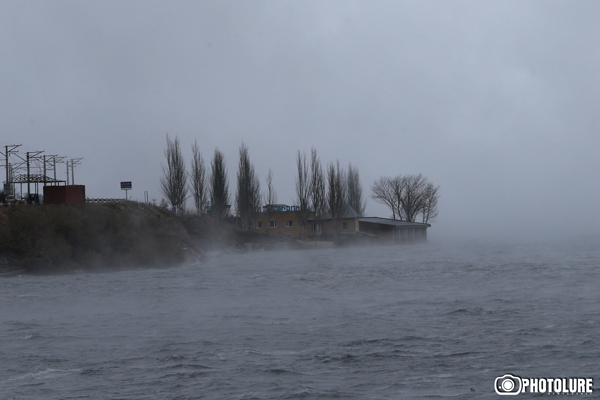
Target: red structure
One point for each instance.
(69, 194)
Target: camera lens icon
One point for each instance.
(508, 385)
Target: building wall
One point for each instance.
(392, 234)
(385, 232)
(328, 227)
(75, 194)
(280, 219)
(413, 234)
(410, 234)
(70, 194)
(331, 227)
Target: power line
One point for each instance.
(33, 167)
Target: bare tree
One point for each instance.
(219, 191)
(407, 196)
(411, 197)
(336, 194)
(302, 190)
(174, 180)
(354, 191)
(430, 210)
(317, 189)
(384, 192)
(248, 189)
(198, 180)
(270, 195)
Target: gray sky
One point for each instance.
(497, 102)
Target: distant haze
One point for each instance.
(497, 102)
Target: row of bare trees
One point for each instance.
(322, 192)
(329, 192)
(407, 196)
(204, 188)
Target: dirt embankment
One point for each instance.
(53, 238)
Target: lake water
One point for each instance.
(428, 321)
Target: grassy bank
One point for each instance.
(54, 238)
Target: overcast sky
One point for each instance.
(496, 101)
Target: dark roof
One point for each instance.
(348, 213)
(33, 178)
(392, 222)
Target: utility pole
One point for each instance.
(58, 159)
(74, 161)
(7, 150)
(46, 169)
(35, 153)
(28, 185)
(11, 175)
(48, 159)
(54, 159)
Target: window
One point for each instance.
(289, 224)
(344, 225)
(272, 224)
(258, 224)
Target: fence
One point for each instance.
(105, 200)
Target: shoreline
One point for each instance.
(112, 236)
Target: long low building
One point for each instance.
(394, 231)
(281, 219)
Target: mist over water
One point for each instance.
(423, 321)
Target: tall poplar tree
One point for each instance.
(354, 191)
(219, 188)
(248, 190)
(198, 180)
(174, 180)
(317, 189)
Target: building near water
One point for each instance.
(281, 219)
(394, 231)
(346, 224)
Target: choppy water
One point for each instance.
(408, 322)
